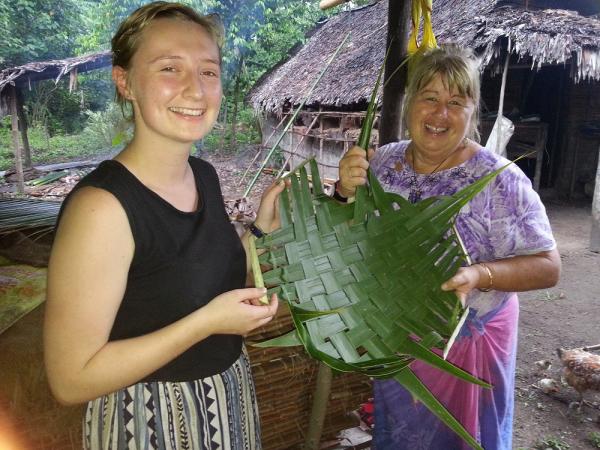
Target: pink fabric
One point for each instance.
(486, 349)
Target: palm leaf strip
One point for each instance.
(20, 214)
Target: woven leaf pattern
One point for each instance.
(363, 280)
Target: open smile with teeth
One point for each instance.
(187, 111)
(435, 129)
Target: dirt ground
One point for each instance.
(565, 316)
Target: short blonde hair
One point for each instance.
(125, 42)
(459, 69)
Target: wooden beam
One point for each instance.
(326, 4)
(595, 236)
(15, 139)
(399, 13)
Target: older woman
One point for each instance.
(506, 232)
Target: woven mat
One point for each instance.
(22, 288)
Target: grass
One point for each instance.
(594, 439)
(101, 128)
(46, 149)
(551, 443)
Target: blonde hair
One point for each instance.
(459, 69)
(126, 40)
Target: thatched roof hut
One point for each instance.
(29, 73)
(554, 48)
(537, 36)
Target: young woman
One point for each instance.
(146, 301)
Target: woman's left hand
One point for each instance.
(267, 217)
(465, 280)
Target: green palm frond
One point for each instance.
(363, 280)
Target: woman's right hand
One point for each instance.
(239, 311)
(353, 171)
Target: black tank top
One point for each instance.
(182, 260)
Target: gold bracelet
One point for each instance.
(490, 276)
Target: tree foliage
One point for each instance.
(37, 30)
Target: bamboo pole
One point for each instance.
(288, 159)
(319, 408)
(595, 235)
(258, 153)
(15, 139)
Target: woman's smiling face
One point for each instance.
(174, 81)
(439, 118)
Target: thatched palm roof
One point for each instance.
(538, 36)
(54, 70)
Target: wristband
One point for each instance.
(255, 230)
(336, 195)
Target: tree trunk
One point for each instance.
(223, 129)
(595, 236)
(236, 94)
(399, 21)
(23, 127)
(15, 139)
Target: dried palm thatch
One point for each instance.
(363, 280)
(536, 36)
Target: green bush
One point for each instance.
(107, 128)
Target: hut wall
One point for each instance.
(328, 139)
(581, 141)
(544, 94)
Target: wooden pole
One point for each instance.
(23, 127)
(319, 408)
(399, 21)
(595, 236)
(15, 139)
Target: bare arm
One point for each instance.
(87, 277)
(516, 274)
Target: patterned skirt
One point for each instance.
(217, 412)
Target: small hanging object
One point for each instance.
(420, 8)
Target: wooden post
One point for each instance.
(595, 236)
(15, 138)
(23, 127)
(319, 408)
(398, 29)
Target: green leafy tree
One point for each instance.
(37, 30)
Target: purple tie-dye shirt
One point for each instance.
(506, 219)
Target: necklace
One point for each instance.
(416, 190)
